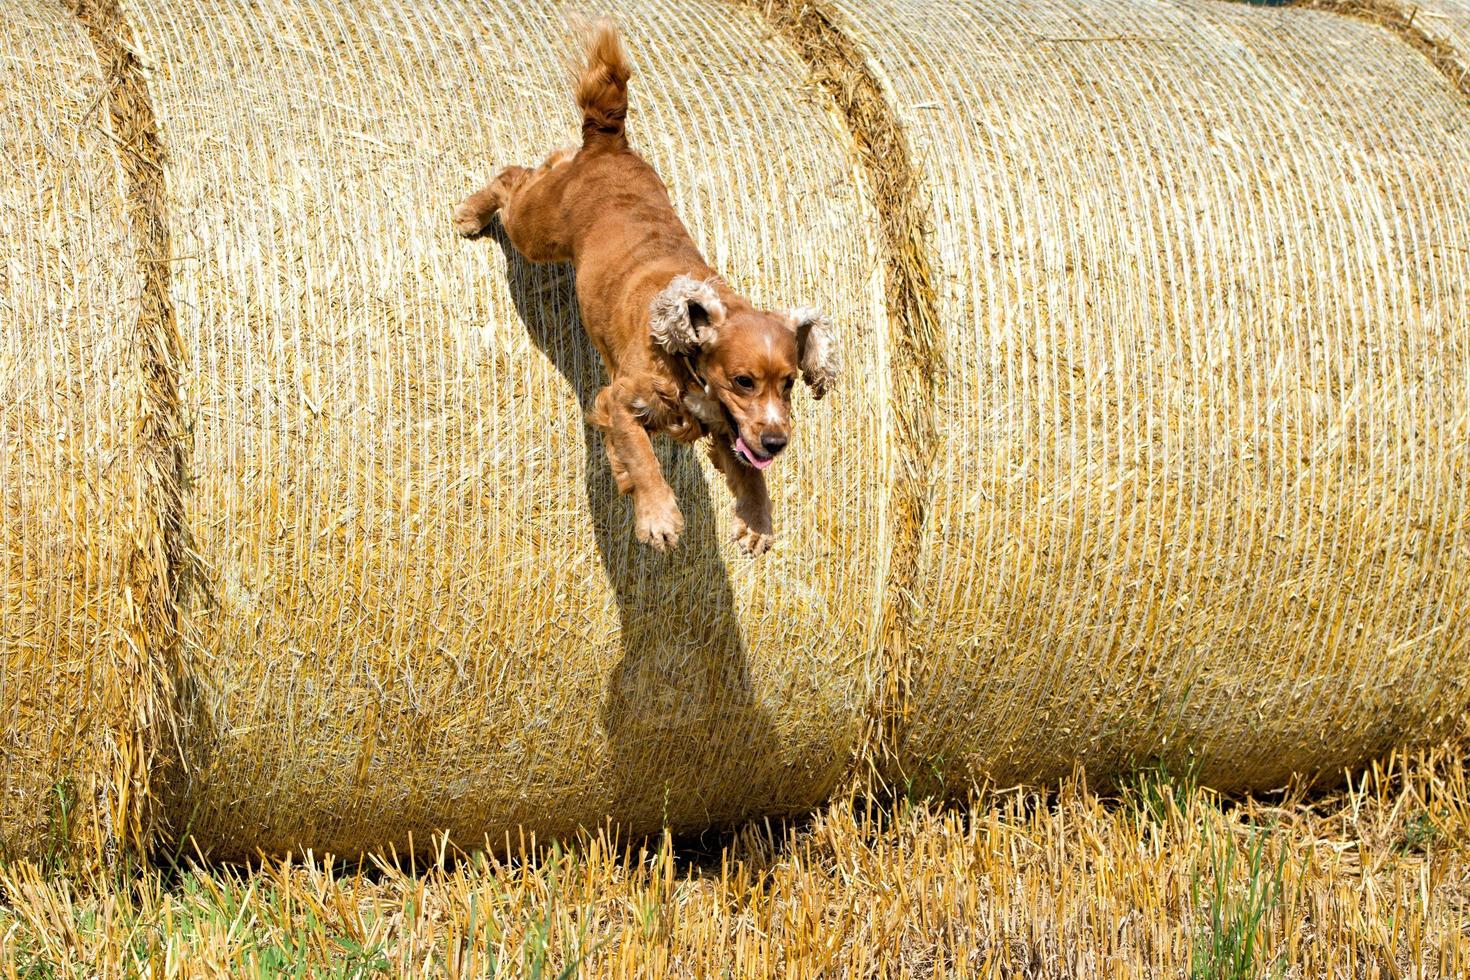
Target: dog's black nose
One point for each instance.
(773, 444)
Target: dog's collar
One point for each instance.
(688, 360)
(699, 379)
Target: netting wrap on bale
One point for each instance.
(1448, 21)
(1153, 435)
(1203, 483)
(1437, 29)
(76, 516)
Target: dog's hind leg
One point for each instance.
(557, 157)
(532, 214)
(472, 215)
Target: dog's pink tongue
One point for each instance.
(750, 457)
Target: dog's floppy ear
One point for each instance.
(683, 317)
(816, 349)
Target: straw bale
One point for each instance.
(69, 298)
(429, 609)
(1203, 480)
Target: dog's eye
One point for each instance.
(745, 381)
(789, 383)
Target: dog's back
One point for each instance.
(625, 251)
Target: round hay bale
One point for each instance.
(427, 607)
(69, 306)
(1203, 472)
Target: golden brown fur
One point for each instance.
(686, 354)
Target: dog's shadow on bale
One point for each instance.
(688, 741)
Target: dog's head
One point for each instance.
(748, 360)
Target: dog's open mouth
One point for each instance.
(751, 456)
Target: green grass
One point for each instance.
(1230, 946)
(61, 807)
(1157, 793)
(1419, 834)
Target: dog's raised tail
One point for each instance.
(602, 86)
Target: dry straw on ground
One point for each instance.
(1154, 441)
(1161, 880)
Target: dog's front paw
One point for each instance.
(468, 217)
(751, 541)
(660, 524)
